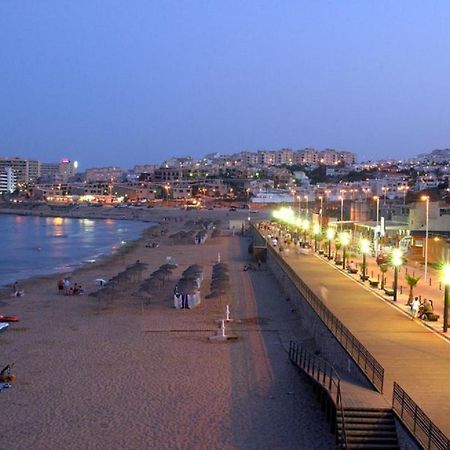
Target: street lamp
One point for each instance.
(316, 232)
(426, 199)
(342, 209)
(306, 203)
(321, 210)
(377, 198)
(330, 236)
(446, 281)
(364, 246)
(396, 261)
(344, 238)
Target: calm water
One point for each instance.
(41, 245)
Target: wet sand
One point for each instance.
(124, 373)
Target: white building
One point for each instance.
(7, 180)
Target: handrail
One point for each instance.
(323, 373)
(417, 422)
(373, 370)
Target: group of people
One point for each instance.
(65, 287)
(420, 308)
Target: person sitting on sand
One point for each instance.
(6, 376)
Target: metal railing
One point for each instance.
(323, 374)
(363, 358)
(417, 422)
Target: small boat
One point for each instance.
(9, 319)
(3, 326)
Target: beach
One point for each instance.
(134, 373)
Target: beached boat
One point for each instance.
(9, 319)
(3, 326)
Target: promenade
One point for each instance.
(412, 355)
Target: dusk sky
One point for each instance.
(126, 82)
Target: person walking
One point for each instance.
(415, 305)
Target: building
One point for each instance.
(104, 174)
(49, 171)
(7, 180)
(67, 169)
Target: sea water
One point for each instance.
(31, 246)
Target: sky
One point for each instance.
(109, 82)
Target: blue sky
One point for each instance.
(125, 82)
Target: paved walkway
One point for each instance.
(412, 355)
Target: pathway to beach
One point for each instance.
(125, 374)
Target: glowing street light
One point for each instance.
(306, 203)
(426, 199)
(344, 239)
(446, 281)
(396, 261)
(342, 209)
(330, 236)
(364, 246)
(305, 227)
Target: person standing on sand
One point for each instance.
(60, 286)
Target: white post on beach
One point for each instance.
(222, 329)
(218, 257)
(228, 319)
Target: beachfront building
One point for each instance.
(274, 196)
(25, 170)
(7, 180)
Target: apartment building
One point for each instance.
(7, 180)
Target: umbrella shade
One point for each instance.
(186, 286)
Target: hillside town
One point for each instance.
(395, 202)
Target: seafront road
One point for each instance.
(417, 358)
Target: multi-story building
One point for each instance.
(18, 165)
(164, 174)
(108, 174)
(49, 171)
(7, 180)
(67, 169)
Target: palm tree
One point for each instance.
(412, 281)
(383, 268)
(337, 246)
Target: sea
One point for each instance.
(32, 246)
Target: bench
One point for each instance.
(389, 292)
(364, 278)
(373, 282)
(352, 269)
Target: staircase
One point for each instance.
(368, 429)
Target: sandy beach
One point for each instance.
(129, 373)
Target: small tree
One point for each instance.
(412, 281)
(383, 269)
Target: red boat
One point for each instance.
(8, 319)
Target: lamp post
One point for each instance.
(364, 245)
(321, 210)
(306, 203)
(396, 260)
(342, 209)
(344, 237)
(446, 281)
(330, 236)
(316, 232)
(377, 199)
(426, 199)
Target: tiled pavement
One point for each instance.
(412, 355)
